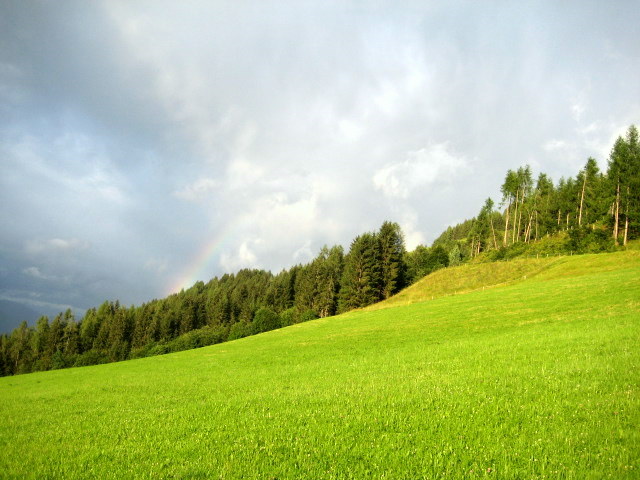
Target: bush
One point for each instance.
(91, 357)
(264, 320)
(307, 315)
(586, 240)
(239, 330)
(141, 352)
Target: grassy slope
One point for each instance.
(535, 379)
(467, 278)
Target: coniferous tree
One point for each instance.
(544, 198)
(590, 205)
(392, 252)
(615, 176)
(20, 349)
(331, 265)
(361, 278)
(40, 344)
(631, 183)
(71, 336)
(509, 190)
(455, 257)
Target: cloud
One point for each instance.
(244, 257)
(55, 245)
(429, 165)
(198, 190)
(156, 265)
(304, 253)
(46, 308)
(36, 273)
(134, 133)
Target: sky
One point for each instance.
(146, 145)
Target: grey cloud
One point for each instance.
(133, 135)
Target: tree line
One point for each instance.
(593, 211)
(229, 307)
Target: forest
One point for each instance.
(594, 211)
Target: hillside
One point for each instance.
(467, 278)
(534, 377)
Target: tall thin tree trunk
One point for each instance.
(519, 223)
(515, 218)
(527, 234)
(584, 184)
(626, 220)
(495, 243)
(506, 227)
(617, 214)
(626, 228)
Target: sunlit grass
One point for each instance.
(537, 378)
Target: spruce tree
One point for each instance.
(392, 252)
(361, 279)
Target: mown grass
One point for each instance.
(535, 379)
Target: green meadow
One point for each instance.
(526, 369)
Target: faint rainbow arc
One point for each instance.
(196, 267)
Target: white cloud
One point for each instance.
(412, 235)
(304, 253)
(553, 145)
(35, 273)
(244, 257)
(55, 245)
(577, 109)
(198, 190)
(429, 165)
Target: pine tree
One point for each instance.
(615, 177)
(331, 265)
(392, 251)
(361, 279)
(631, 183)
(509, 190)
(40, 343)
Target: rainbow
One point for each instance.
(197, 267)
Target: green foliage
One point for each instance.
(265, 319)
(239, 330)
(361, 280)
(90, 357)
(317, 284)
(288, 317)
(307, 316)
(588, 240)
(455, 257)
(423, 261)
(391, 254)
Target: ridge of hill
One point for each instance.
(464, 279)
(536, 378)
(470, 277)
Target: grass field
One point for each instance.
(538, 377)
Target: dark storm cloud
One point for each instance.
(136, 135)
